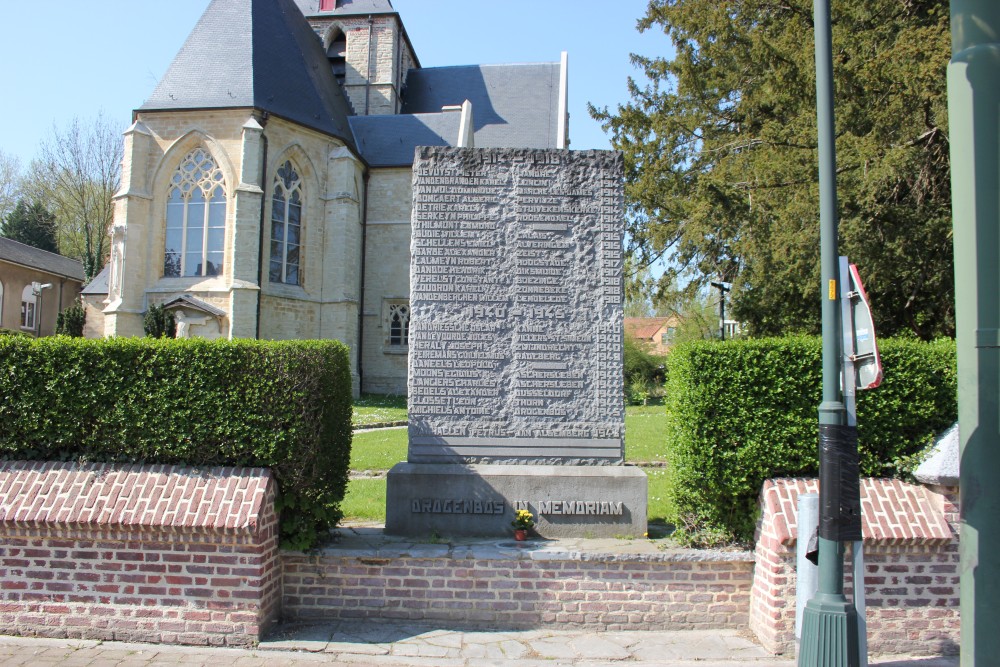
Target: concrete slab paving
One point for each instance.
(595, 646)
(382, 644)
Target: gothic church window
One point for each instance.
(286, 227)
(399, 324)
(336, 53)
(196, 218)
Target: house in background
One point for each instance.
(655, 333)
(266, 183)
(35, 286)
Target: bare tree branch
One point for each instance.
(76, 177)
(10, 189)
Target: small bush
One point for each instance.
(282, 405)
(743, 411)
(159, 323)
(644, 372)
(70, 321)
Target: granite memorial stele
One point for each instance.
(515, 348)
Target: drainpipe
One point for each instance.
(361, 292)
(368, 79)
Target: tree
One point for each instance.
(76, 176)
(32, 225)
(720, 154)
(10, 174)
(638, 283)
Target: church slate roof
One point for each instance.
(99, 284)
(347, 7)
(513, 106)
(255, 53)
(388, 141)
(42, 260)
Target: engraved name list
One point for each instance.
(516, 317)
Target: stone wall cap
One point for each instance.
(105, 495)
(941, 465)
(372, 544)
(891, 510)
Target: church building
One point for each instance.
(266, 183)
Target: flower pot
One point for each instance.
(521, 534)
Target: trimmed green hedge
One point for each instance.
(282, 405)
(743, 411)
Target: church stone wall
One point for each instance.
(293, 311)
(326, 304)
(172, 135)
(387, 279)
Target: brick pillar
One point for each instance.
(911, 566)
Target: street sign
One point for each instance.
(867, 363)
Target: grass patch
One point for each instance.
(659, 506)
(644, 429)
(365, 500)
(378, 409)
(378, 450)
(645, 433)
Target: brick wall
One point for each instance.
(911, 566)
(513, 589)
(138, 553)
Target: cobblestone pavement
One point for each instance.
(402, 645)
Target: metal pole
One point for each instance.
(722, 314)
(722, 307)
(973, 103)
(851, 407)
(805, 571)
(829, 623)
(38, 313)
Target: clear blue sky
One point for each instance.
(66, 58)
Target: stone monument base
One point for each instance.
(446, 499)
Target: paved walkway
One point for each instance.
(404, 645)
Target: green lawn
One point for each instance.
(658, 508)
(645, 426)
(378, 450)
(365, 500)
(378, 409)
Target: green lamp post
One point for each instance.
(974, 134)
(829, 621)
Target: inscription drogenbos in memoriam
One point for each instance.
(516, 306)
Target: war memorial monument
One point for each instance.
(515, 347)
